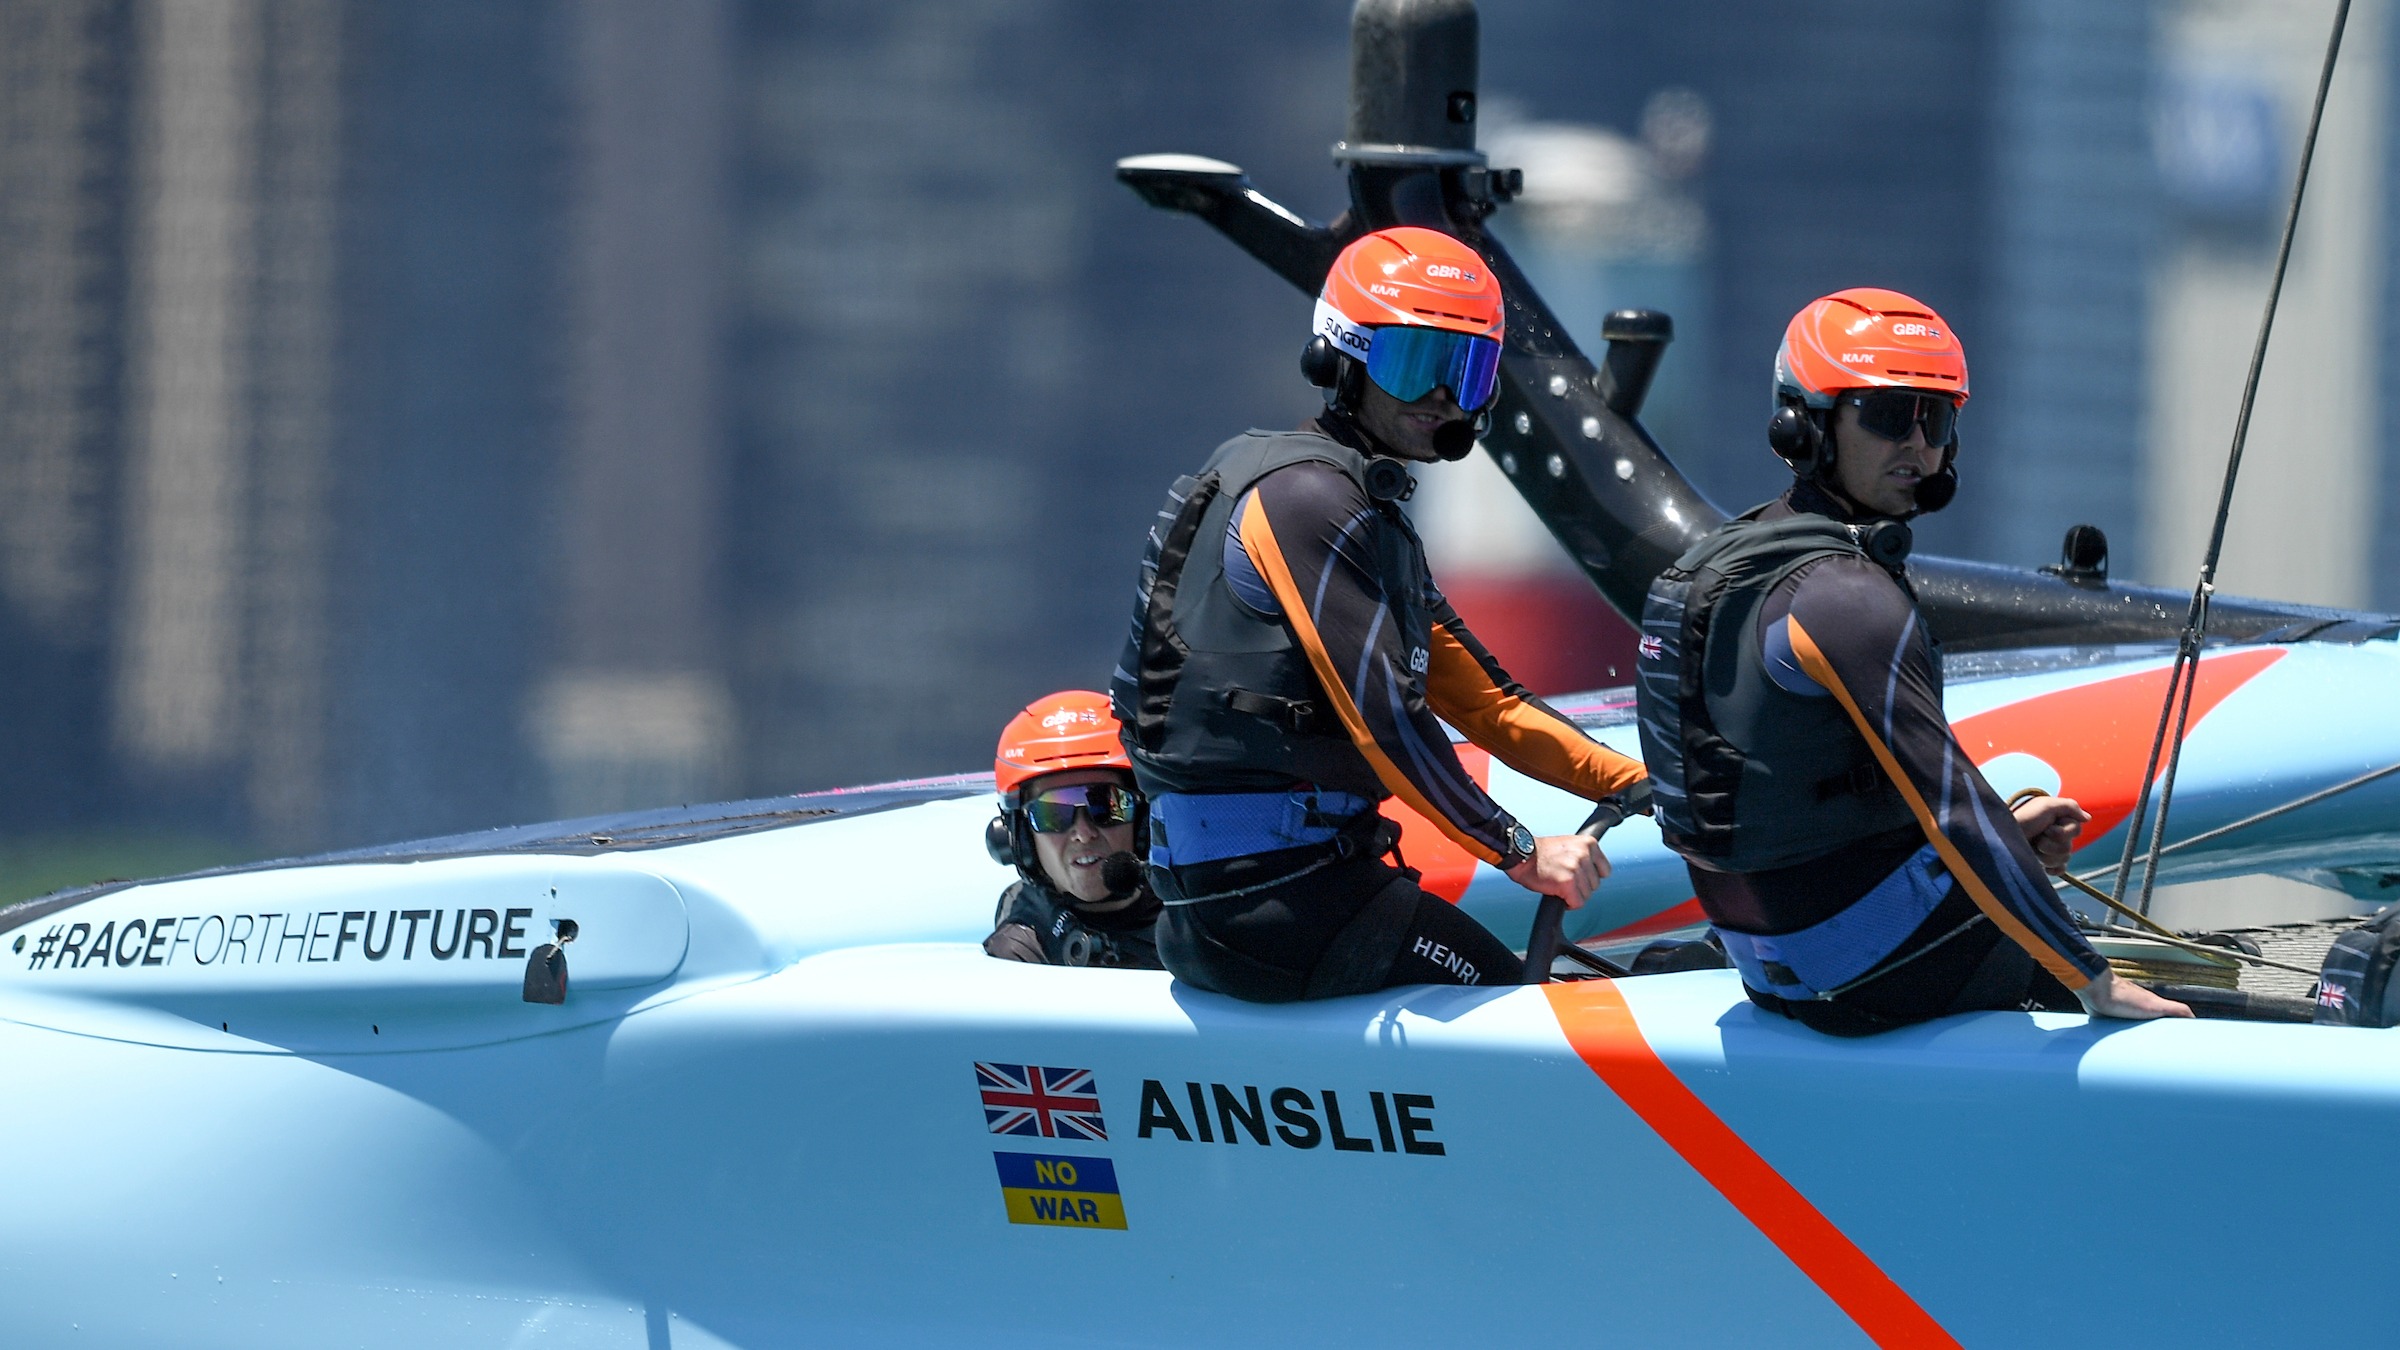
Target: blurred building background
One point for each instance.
(424, 414)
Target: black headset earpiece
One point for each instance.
(1010, 842)
(1797, 440)
(1321, 363)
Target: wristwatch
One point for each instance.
(1520, 846)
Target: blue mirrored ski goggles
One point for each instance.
(1408, 363)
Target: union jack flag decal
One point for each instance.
(1047, 1103)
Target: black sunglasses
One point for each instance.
(1889, 413)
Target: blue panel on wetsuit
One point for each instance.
(1783, 664)
(1836, 951)
(1241, 571)
(1188, 828)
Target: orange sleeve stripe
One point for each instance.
(1605, 1036)
(1522, 736)
(1258, 538)
(1812, 660)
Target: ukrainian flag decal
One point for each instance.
(1060, 1191)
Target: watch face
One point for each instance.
(1521, 839)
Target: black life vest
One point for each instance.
(1125, 938)
(1747, 775)
(1215, 698)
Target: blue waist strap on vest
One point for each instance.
(1831, 954)
(1188, 828)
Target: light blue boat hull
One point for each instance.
(757, 1119)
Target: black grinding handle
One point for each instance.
(1541, 945)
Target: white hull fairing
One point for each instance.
(307, 1105)
(805, 1159)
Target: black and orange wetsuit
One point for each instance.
(1935, 903)
(1311, 664)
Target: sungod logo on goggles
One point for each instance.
(1352, 338)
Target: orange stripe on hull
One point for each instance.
(1603, 1032)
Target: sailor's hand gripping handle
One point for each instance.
(1541, 946)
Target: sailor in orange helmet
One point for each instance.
(1290, 657)
(1070, 822)
(1858, 868)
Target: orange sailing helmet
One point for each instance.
(1072, 729)
(1407, 275)
(1851, 344)
(1865, 338)
(1417, 310)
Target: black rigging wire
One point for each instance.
(2177, 708)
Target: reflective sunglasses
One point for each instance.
(1889, 413)
(1408, 363)
(1053, 812)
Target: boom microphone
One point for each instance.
(1123, 874)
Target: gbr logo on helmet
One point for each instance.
(1451, 272)
(1067, 717)
(1912, 328)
